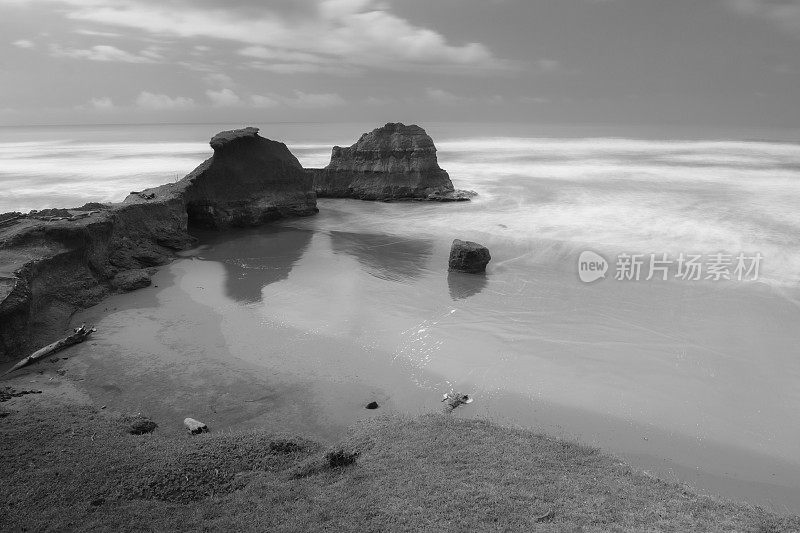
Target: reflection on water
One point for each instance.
(255, 258)
(386, 257)
(465, 285)
(712, 364)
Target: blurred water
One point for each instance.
(614, 194)
(703, 362)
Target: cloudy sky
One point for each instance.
(681, 62)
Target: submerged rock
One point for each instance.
(372, 405)
(469, 257)
(452, 196)
(394, 162)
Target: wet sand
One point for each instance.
(296, 328)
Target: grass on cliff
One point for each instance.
(75, 469)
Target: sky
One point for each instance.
(725, 63)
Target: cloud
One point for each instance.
(548, 65)
(534, 100)
(223, 98)
(94, 33)
(784, 13)
(299, 100)
(359, 33)
(24, 43)
(264, 102)
(219, 79)
(303, 100)
(148, 100)
(440, 96)
(303, 68)
(263, 52)
(104, 52)
(101, 104)
(379, 100)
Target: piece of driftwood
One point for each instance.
(195, 426)
(79, 335)
(454, 399)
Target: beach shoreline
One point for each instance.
(296, 326)
(162, 350)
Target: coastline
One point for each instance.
(161, 351)
(172, 350)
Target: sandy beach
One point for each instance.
(297, 326)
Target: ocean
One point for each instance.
(693, 379)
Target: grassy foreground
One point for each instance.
(77, 469)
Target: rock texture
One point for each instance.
(469, 257)
(51, 267)
(248, 181)
(130, 280)
(394, 162)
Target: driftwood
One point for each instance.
(79, 335)
(454, 399)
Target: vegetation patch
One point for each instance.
(73, 469)
(141, 425)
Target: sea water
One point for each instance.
(692, 378)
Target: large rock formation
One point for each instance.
(249, 180)
(395, 162)
(51, 266)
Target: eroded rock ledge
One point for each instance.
(51, 266)
(394, 162)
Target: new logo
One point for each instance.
(591, 266)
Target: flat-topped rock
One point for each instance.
(393, 162)
(248, 181)
(222, 138)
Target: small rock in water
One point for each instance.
(195, 427)
(142, 425)
(455, 399)
(372, 405)
(469, 257)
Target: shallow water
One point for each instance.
(691, 379)
(673, 370)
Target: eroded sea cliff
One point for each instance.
(51, 266)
